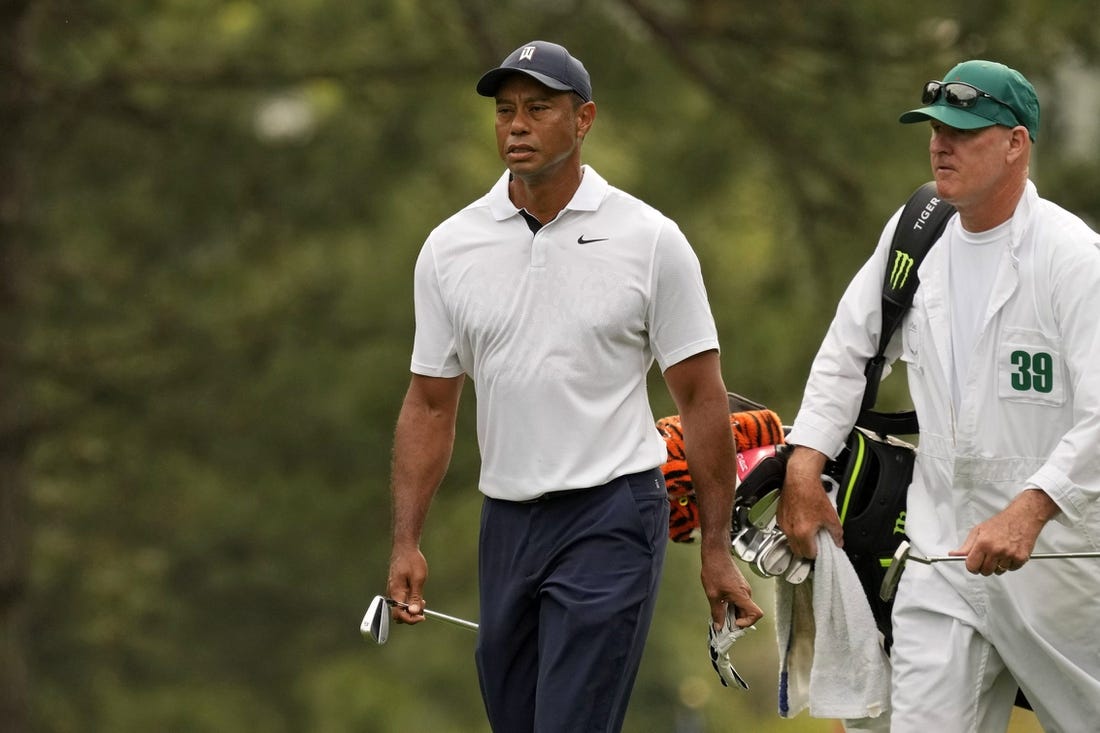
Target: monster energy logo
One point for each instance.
(899, 523)
(903, 263)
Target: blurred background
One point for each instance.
(209, 214)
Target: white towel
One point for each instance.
(830, 658)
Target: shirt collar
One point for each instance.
(1021, 219)
(586, 198)
(590, 193)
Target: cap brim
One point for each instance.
(488, 84)
(951, 116)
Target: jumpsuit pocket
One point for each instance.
(1030, 368)
(911, 352)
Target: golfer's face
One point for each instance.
(537, 128)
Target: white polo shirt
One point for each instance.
(558, 329)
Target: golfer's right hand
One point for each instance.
(804, 507)
(408, 573)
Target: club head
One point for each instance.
(799, 570)
(752, 540)
(763, 511)
(376, 622)
(775, 557)
(893, 573)
(743, 540)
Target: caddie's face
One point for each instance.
(971, 166)
(539, 129)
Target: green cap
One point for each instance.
(1014, 100)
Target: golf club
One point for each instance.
(376, 622)
(903, 555)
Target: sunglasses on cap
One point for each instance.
(956, 94)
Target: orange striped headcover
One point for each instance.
(751, 429)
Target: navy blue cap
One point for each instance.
(545, 62)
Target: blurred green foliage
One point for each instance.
(209, 213)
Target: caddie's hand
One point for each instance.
(726, 587)
(1006, 540)
(804, 506)
(408, 573)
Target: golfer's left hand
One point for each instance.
(726, 587)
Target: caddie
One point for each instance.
(1001, 349)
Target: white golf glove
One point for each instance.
(720, 642)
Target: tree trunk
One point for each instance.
(14, 531)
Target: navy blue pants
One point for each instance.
(568, 586)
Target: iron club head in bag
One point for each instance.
(376, 622)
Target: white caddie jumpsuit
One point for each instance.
(1029, 417)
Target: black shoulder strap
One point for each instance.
(922, 222)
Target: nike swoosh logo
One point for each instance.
(582, 240)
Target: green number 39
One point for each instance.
(1033, 371)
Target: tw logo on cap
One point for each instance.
(527, 53)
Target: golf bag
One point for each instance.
(871, 475)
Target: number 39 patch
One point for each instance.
(1030, 369)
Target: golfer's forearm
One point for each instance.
(410, 510)
(420, 459)
(715, 514)
(422, 445)
(712, 458)
(700, 394)
(413, 488)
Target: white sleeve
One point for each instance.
(1071, 475)
(434, 348)
(680, 320)
(834, 389)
